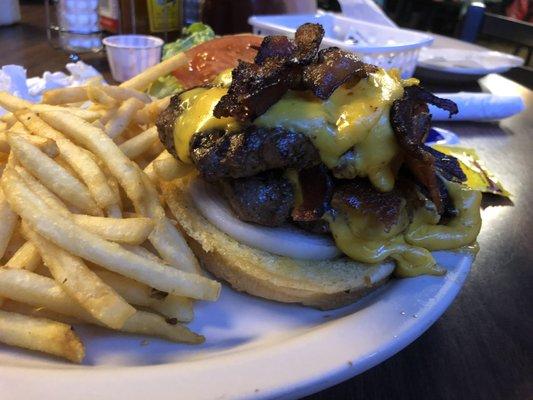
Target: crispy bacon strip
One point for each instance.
(359, 195)
(316, 186)
(410, 120)
(334, 67)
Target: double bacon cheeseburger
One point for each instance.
(311, 181)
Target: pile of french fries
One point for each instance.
(84, 237)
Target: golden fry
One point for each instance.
(145, 78)
(65, 95)
(36, 290)
(42, 335)
(53, 175)
(71, 273)
(78, 241)
(139, 144)
(119, 122)
(26, 257)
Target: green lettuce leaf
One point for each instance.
(193, 35)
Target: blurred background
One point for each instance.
(78, 26)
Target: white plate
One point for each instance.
(255, 348)
(463, 61)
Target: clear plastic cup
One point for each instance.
(129, 55)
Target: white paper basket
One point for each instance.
(385, 46)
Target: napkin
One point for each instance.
(13, 79)
(478, 107)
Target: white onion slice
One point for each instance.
(284, 241)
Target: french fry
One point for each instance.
(149, 112)
(118, 123)
(40, 190)
(177, 307)
(82, 243)
(26, 257)
(138, 294)
(47, 146)
(149, 170)
(165, 237)
(65, 95)
(102, 146)
(18, 127)
(9, 119)
(80, 160)
(8, 222)
(98, 96)
(141, 295)
(4, 145)
(87, 115)
(13, 103)
(168, 168)
(36, 290)
(3, 126)
(42, 335)
(139, 144)
(130, 230)
(82, 284)
(151, 324)
(37, 312)
(104, 119)
(145, 78)
(54, 176)
(122, 94)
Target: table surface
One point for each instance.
(482, 347)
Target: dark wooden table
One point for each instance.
(482, 348)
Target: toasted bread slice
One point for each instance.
(324, 284)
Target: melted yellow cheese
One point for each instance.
(198, 116)
(461, 230)
(354, 117)
(410, 260)
(365, 240)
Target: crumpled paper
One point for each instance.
(13, 79)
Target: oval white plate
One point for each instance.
(466, 62)
(255, 348)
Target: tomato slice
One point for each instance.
(210, 58)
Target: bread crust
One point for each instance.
(319, 284)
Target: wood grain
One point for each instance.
(482, 348)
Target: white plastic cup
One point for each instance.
(129, 55)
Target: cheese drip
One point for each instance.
(460, 231)
(364, 239)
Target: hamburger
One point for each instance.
(310, 181)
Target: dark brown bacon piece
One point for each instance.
(245, 153)
(334, 67)
(308, 38)
(278, 68)
(447, 166)
(316, 187)
(254, 89)
(410, 120)
(275, 46)
(359, 195)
